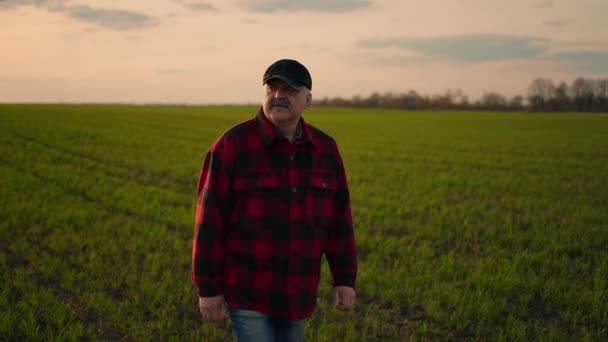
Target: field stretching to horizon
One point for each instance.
(470, 225)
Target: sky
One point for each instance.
(215, 52)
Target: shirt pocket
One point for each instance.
(257, 206)
(319, 200)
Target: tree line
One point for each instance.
(583, 95)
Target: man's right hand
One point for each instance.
(213, 308)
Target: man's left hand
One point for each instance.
(344, 298)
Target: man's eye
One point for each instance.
(287, 89)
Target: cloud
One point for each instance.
(115, 19)
(480, 48)
(112, 18)
(464, 48)
(198, 6)
(583, 61)
(335, 6)
(51, 5)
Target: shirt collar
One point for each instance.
(271, 133)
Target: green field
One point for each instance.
(480, 226)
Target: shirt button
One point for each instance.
(293, 286)
(294, 189)
(291, 157)
(324, 185)
(294, 253)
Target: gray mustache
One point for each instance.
(283, 103)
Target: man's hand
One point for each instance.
(212, 308)
(344, 298)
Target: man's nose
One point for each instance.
(280, 92)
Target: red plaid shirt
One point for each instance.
(267, 210)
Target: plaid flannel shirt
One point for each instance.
(267, 210)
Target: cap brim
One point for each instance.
(294, 84)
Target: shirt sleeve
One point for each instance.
(340, 249)
(212, 210)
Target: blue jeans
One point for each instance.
(253, 326)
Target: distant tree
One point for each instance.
(373, 101)
(464, 102)
(600, 95)
(535, 94)
(442, 101)
(578, 91)
(589, 96)
(540, 93)
(413, 100)
(516, 102)
(604, 96)
(493, 101)
(357, 101)
(561, 99)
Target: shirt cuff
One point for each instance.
(344, 280)
(209, 289)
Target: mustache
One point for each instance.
(279, 102)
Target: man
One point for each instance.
(272, 198)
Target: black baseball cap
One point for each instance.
(289, 71)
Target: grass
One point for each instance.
(481, 226)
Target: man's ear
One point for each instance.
(308, 99)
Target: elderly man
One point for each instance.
(272, 199)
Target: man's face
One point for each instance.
(283, 104)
